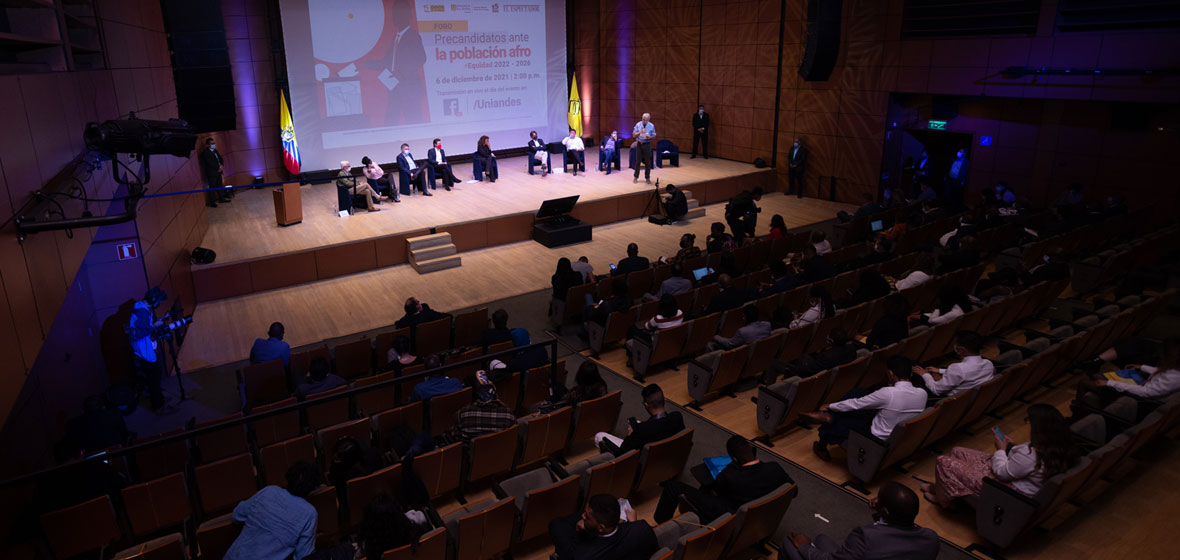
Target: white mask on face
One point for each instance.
(614, 135)
(406, 151)
(700, 111)
(212, 146)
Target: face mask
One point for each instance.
(212, 146)
(700, 111)
(614, 135)
(406, 151)
(796, 144)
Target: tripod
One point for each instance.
(654, 199)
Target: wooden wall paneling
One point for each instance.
(597, 212)
(346, 258)
(391, 250)
(469, 236)
(217, 282)
(283, 270)
(509, 229)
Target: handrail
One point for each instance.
(256, 416)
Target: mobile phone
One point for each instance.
(612, 267)
(998, 433)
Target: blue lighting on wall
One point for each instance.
(985, 140)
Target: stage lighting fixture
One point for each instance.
(137, 136)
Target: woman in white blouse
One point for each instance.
(952, 303)
(1023, 467)
(923, 271)
(819, 306)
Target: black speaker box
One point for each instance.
(823, 40)
(200, 65)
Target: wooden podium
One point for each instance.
(288, 204)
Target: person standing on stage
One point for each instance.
(374, 173)
(700, 132)
(644, 131)
(575, 150)
(483, 151)
(607, 150)
(539, 152)
(345, 180)
(437, 158)
(211, 167)
(407, 165)
(796, 167)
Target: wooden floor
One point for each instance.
(223, 330)
(1122, 523)
(245, 228)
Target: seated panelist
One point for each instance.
(437, 158)
(407, 165)
(575, 150)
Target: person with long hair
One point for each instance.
(1024, 467)
(564, 278)
(688, 248)
(778, 228)
(487, 159)
(819, 307)
(718, 240)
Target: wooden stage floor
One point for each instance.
(223, 330)
(245, 228)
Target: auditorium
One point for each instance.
(758, 279)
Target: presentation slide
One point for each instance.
(368, 75)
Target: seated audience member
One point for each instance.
(893, 536)
(923, 271)
(618, 301)
(525, 358)
(319, 379)
(346, 181)
(813, 266)
(728, 297)
(953, 238)
(539, 151)
(781, 279)
(418, 175)
(498, 332)
(1158, 382)
(98, 428)
(819, 241)
(564, 278)
(588, 384)
(718, 240)
(351, 459)
(668, 315)
(840, 351)
(1130, 350)
(386, 526)
(868, 208)
(485, 415)
(1004, 194)
(1009, 280)
(726, 266)
(632, 262)
(672, 285)
(871, 286)
(819, 307)
(895, 403)
(966, 256)
(744, 479)
(893, 326)
(583, 266)
(575, 151)
(436, 382)
(688, 248)
(278, 523)
(272, 347)
(970, 372)
(778, 228)
(882, 251)
(606, 151)
(400, 355)
(754, 330)
(1024, 468)
(418, 313)
(952, 303)
(597, 533)
(928, 194)
(676, 205)
(659, 425)
(1072, 196)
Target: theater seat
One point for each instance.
(167, 547)
(666, 345)
(867, 455)
(431, 546)
(690, 540)
(663, 460)
(215, 536)
(539, 497)
(757, 520)
(82, 528)
(606, 474)
(478, 531)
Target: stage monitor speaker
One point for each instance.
(823, 40)
(200, 65)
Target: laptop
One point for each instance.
(701, 272)
(717, 464)
(877, 225)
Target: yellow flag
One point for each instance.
(575, 112)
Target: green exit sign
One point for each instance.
(937, 125)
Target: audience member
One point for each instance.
(485, 414)
(922, 272)
(814, 267)
(718, 240)
(418, 313)
(618, 301)
(892, 536)
(588, 384)
(583, 266)
(400, 355)
(660, 424)
(1024, 468)
(778, 228)
(928, 194)
(840, 351)
(871, 286)
(525, 359)
(385, 526)
(319, 379)
(893, 326)
(882, 251)
(632, 262)
(781, 279)
(971, 371)
(743, 480)
(754, 330)
(728, 297)
(688, 248)
(1162, 380)
(597, 532)
(966, 256)
(668, 315)
(672, 285)
(564, 278)
(436, 383)
(1004, 194)
(868, 208)
(819, 307)
(351, 459)
(1072, 196)
(498, 332)
(278, 523)
(819, 241)
(952, 303)
(272, 347)
(895, 403)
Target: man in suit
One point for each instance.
(632, 262)
(754, 331)
(211, 168)
(402, 69)
(728, 297)
(956, 180)
(796, 166)
(418, 313)
(539, 152)
(743, 480)
(407, 165)
(437, 157)
(700, 132)
(676, 206)
(894, 536)
(659, 425)
(598, 532)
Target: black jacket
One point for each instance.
(677, 204)
(651, 430)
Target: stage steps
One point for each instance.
(694, 207)
(431, 253)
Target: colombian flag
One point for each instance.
(287, 134)
(575, 112)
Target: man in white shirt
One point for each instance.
(575, 151)
(895, 403)
(969, 373)
(583, 266)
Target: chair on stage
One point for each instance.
(477, 167)
(407, 188)
(533, 160)
(616, 159)
(576, 158)
(665, 149)
(347, 199)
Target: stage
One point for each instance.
(255, 254)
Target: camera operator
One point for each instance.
(742, 214)
(146, 354)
